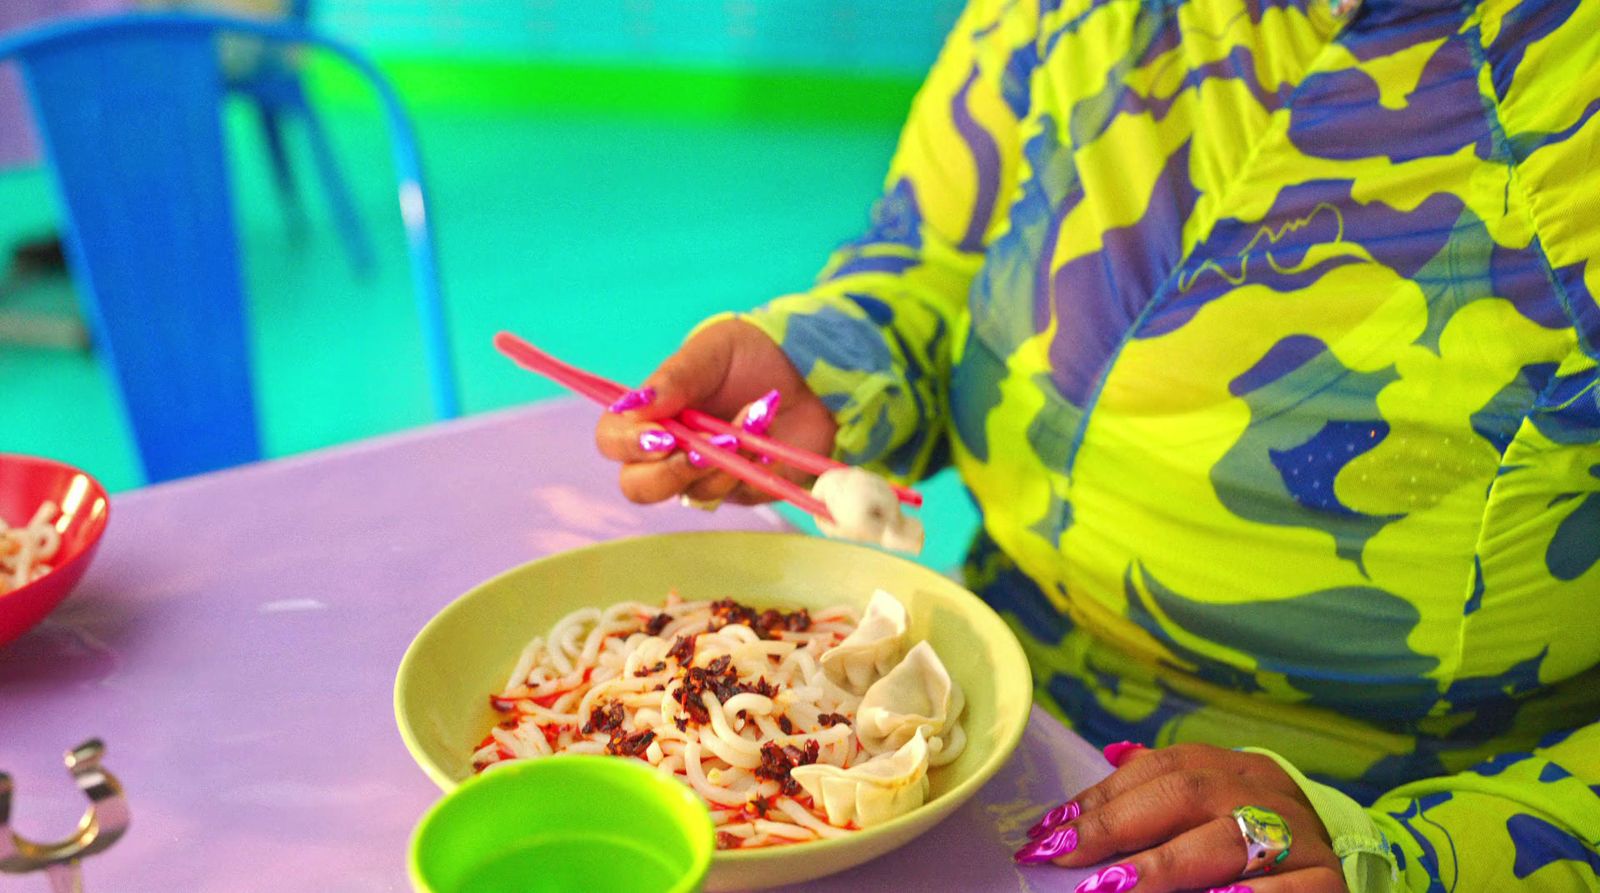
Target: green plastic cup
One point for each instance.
(564, 823)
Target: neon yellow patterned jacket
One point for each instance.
(1266, 341)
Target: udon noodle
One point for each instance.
(756, 710)
(25, 552)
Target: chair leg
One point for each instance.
(282, 173)
(344, 211)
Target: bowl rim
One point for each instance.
(96, 530)
(1011, 653)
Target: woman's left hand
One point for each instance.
(1166, 817)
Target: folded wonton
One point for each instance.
(917, 696)
(872, 649)
(865, 509)
(872, 792)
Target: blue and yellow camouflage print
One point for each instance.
(1266, 342)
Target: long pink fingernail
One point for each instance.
(1231, 888)
(1066, 812)
(758, 418)
(634, 400)
(1057, 843)
(1118, 753)
(653, 441)
(1114, 879)
(720, 441)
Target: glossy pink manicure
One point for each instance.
(1231, 888)
(1066, 812)
(634, 400)
(1056, 843)
(721, 441)
(1114, 879)
(758, 418)
(654, 441)
(1118, 753)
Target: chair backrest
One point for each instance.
(129, 110)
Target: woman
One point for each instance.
(1265, 336)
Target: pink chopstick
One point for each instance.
(572, 378)
(791, 455)
(809, 462)
(605, 393)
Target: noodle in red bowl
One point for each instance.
(51, 519)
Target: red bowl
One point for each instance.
(25, 483)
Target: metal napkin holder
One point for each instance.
(102, 824)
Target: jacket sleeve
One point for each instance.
(1519, 821)
(873, 334)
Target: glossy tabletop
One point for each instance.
(236, 640)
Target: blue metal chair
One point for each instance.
(273, 85)
(129, 109)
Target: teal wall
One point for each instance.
(879, 36)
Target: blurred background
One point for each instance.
(604, 174)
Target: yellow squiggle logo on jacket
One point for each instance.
(1273, 237)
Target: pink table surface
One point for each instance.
(236, 640)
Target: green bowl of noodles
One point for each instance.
(466, 653)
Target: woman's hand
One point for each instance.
(1166, 818)
(723, 370)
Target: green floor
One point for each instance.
(601, 234)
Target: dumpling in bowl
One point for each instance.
(873, 792)
(917, 696)
(872, 649)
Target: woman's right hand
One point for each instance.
(721, 371)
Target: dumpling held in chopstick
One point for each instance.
(872, 792)
(865, 509)
(916, 697)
